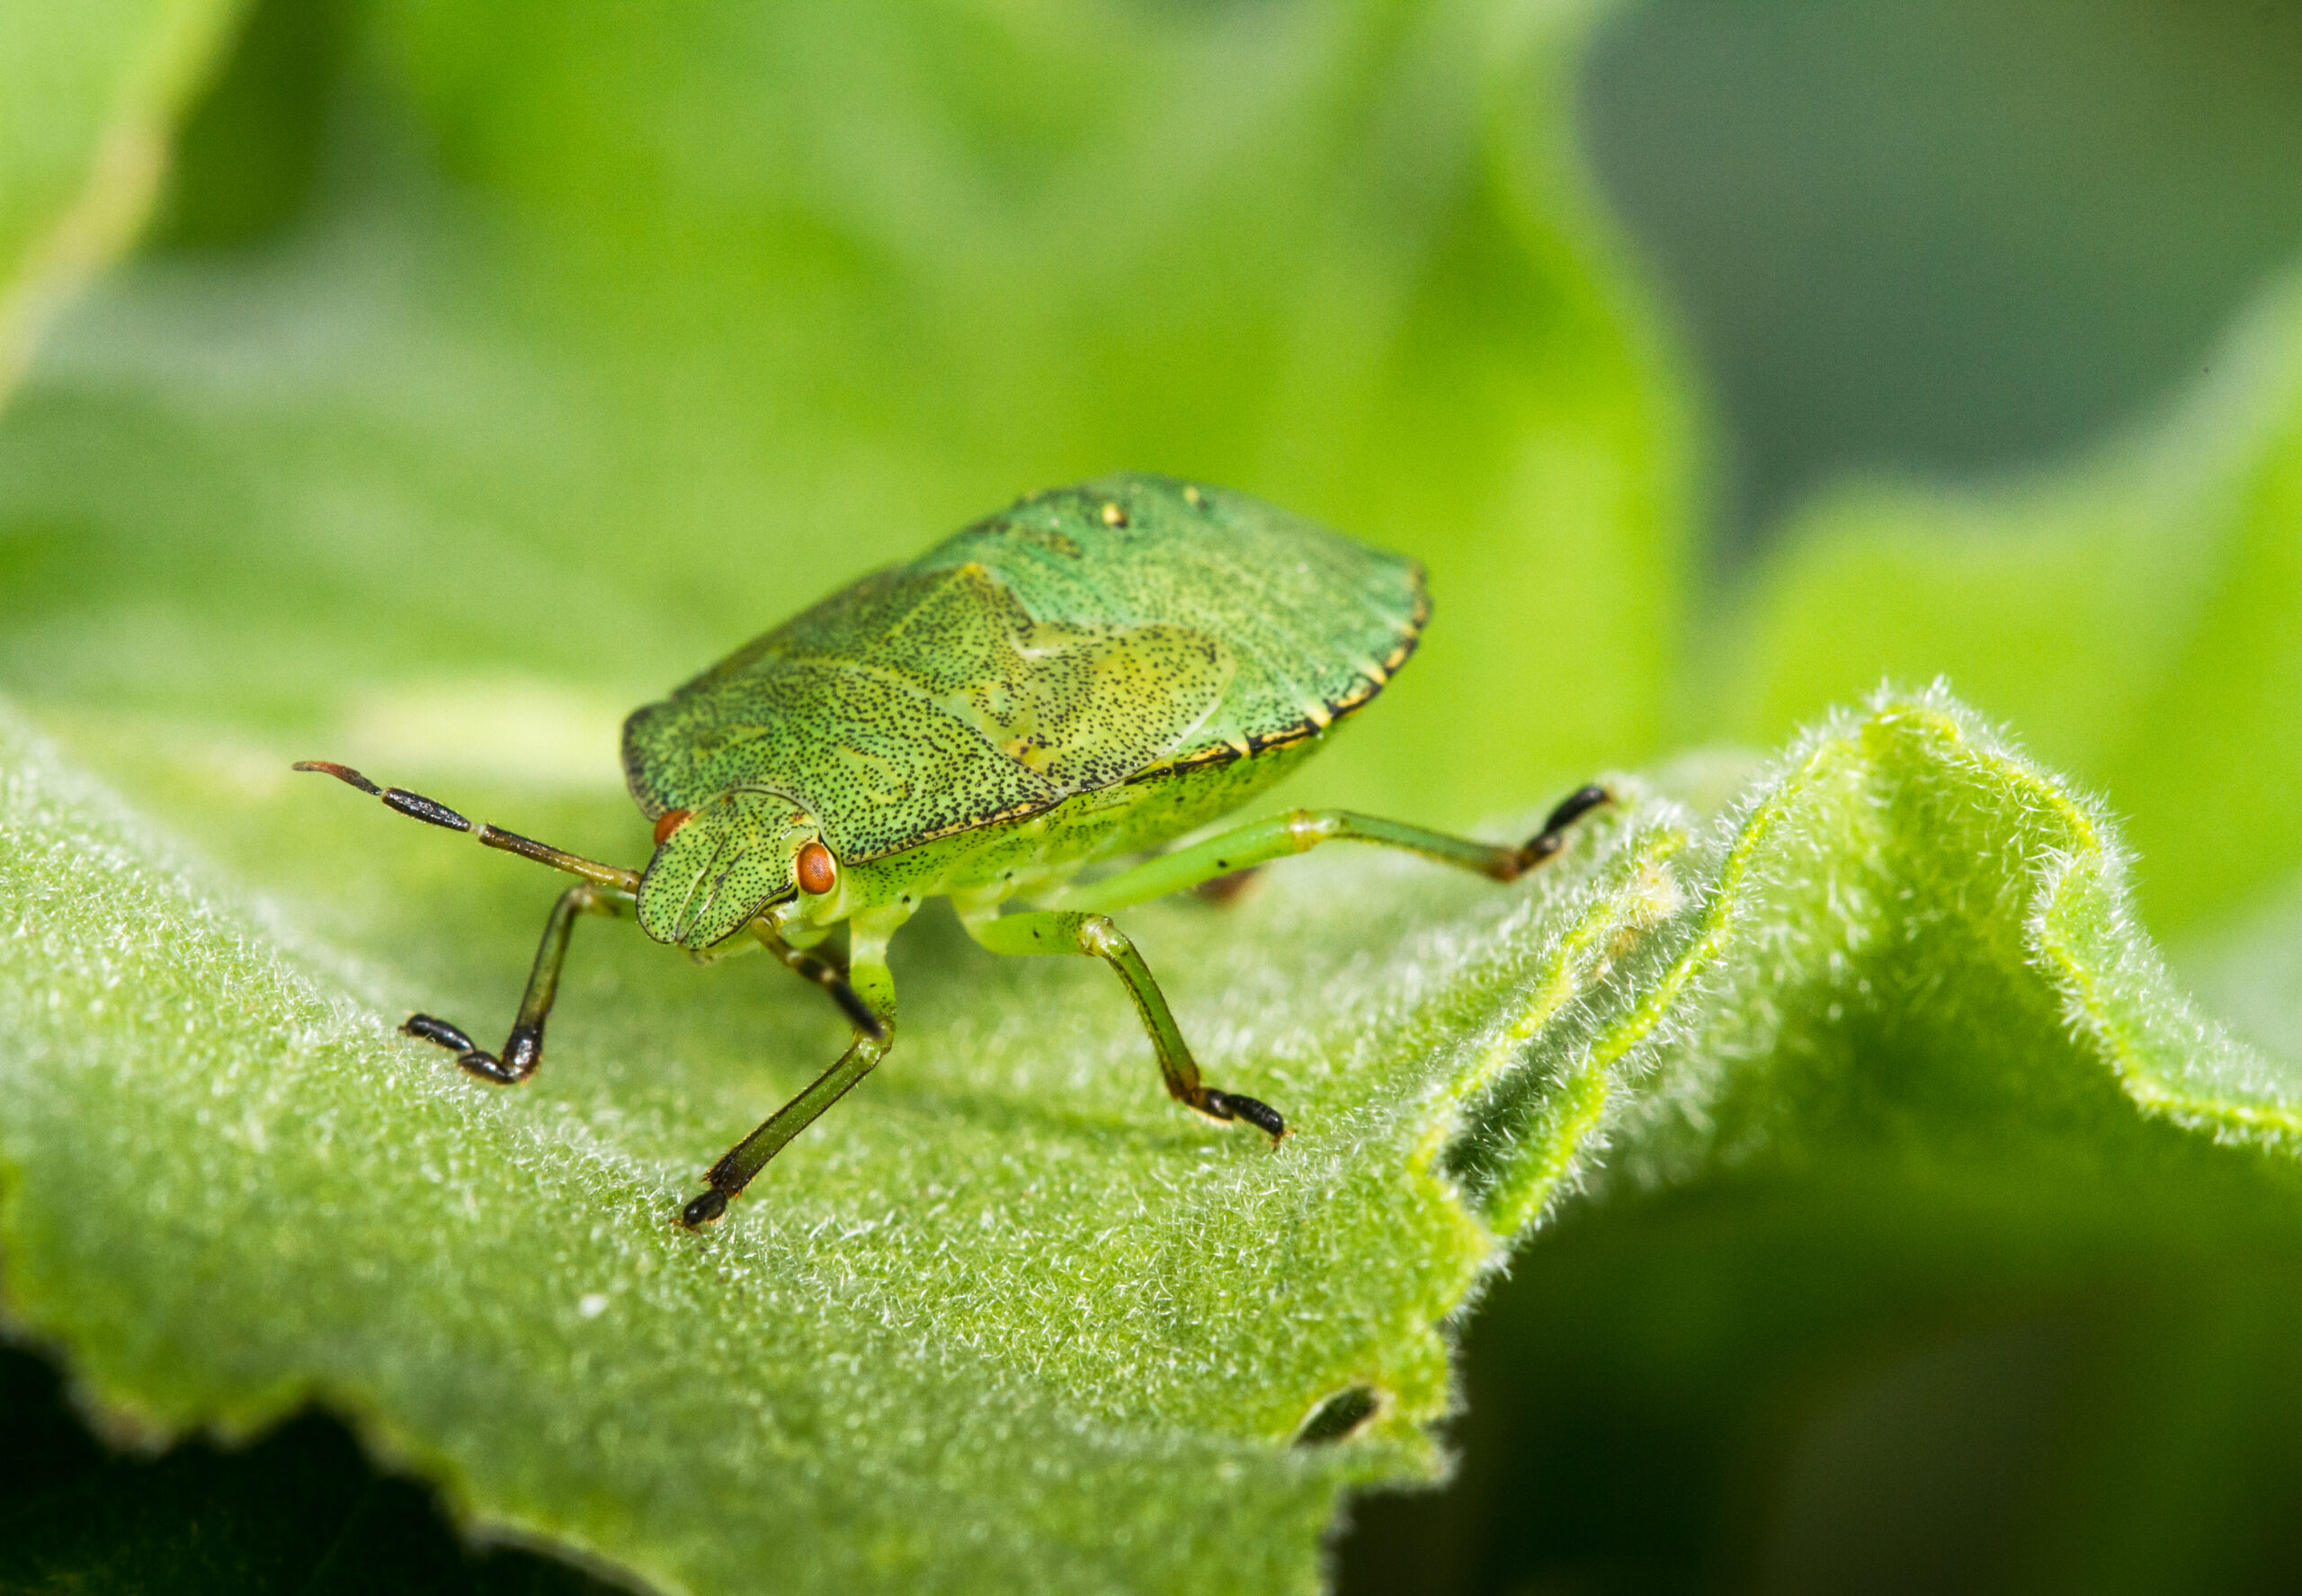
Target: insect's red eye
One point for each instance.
(817, 873)
(671, 820)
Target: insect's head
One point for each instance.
(720, 863)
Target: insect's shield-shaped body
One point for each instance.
(1168, 646)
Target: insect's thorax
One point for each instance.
(1030, 857)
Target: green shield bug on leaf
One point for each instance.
(1086, 675)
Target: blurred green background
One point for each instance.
(487, 266)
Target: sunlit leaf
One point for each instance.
(1006, 1313)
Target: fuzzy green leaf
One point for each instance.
(1005, 1317)
(1007, 1312)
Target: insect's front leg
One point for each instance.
(869, 986)
(524, 1050)
(1094, 936)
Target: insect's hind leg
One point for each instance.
(524, 1050)
(1301, 830)
(1094, 936)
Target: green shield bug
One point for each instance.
(1089, 674)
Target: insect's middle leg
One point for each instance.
(523, 1050)
(1298, 831)
(1094, 936)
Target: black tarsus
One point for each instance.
(606, 886)
(522, 1050)
(1574, 806)
(1230, 1105)
(704, 1208)
(1565, 814)
(426, 1028)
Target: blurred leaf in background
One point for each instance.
(1945, 237)
(88, 100)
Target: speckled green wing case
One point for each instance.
(1110, 632)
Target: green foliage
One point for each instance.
(2130, 613)
(1010, 1250)
(87, 96)
(595, 345)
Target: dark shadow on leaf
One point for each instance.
(301, 1509)
(1341, 1416)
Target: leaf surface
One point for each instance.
(1005, 1314)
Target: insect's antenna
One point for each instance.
(432, 812)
